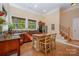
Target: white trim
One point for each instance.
(18, 29)
(24, 29)
(72, 8)
(24, 9)
(60, 39)
(76, 46)
(14, 5)
(54, 10)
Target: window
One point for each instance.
(31, 24)
(19, 23)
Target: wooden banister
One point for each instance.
(65, 32)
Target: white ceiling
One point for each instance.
(42, 8)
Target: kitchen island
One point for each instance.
(9, 45)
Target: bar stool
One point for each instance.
(46, 44)
(35, 43)
(53, 36)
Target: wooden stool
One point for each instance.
(53, 36)
(46, 44)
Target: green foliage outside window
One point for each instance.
(19, 23)
(31, 24)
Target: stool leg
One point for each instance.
(45, 50)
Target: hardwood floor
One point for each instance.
(61, 50)
(76, 42)
(27, 50)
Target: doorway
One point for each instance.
(75, 25)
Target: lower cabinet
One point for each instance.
(7, 47)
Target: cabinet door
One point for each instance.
(13, 45)
(3, 48)
(8, 46)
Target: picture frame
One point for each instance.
(52, 26)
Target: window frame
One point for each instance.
(16, 22)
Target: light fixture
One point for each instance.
(1, 13)
(35, 6)
(44, 10)
(73, 4)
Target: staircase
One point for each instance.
(60, 38)
(65, 32)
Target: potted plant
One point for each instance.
(10, 27)
(1, 20)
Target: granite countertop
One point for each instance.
(11, 37)
(43, 34)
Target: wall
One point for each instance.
(22, 13)
(53, 18)
(49, 18)
(67, 16)
(17, 12)
(7, 9)
(0, 6)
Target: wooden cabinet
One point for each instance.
(8, 46)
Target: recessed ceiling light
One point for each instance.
(44, 10)
(35, 6)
